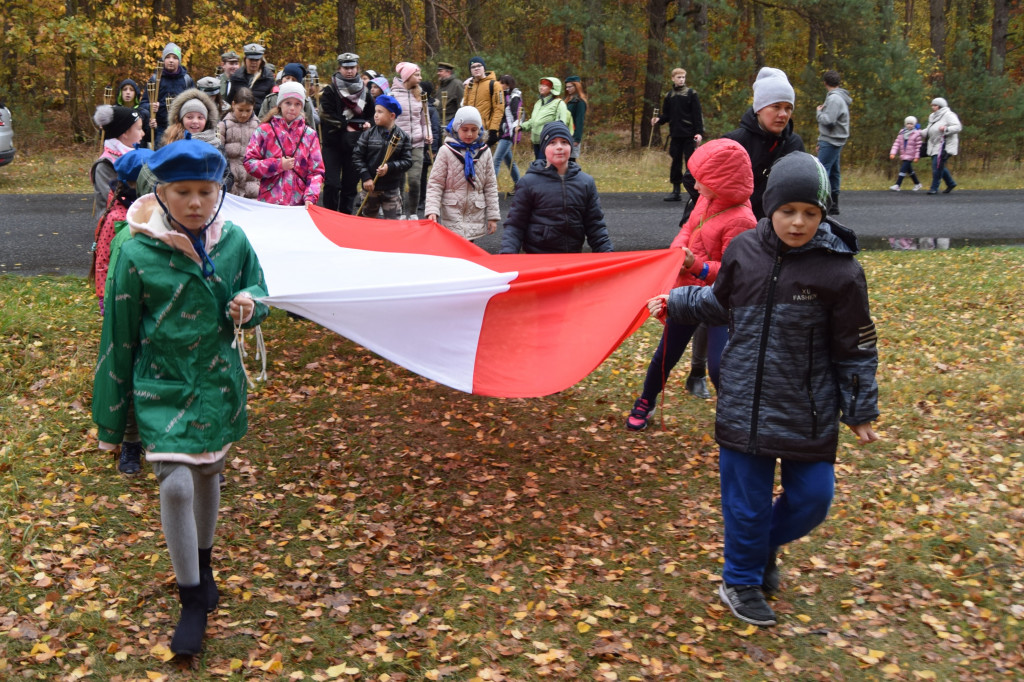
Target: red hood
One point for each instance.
(723, 165)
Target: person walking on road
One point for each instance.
(833, 132)
(942, 134)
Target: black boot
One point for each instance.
(697, 385)
(206, 580)
(130, 461)
(833, 208)
(188, 636)
(675, 196)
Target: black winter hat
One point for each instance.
(553, 130)
(114, 120)
(797, 176)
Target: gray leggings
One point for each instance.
(189, 503)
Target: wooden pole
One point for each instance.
(392, 146)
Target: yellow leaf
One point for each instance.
(409, 617)
(582, 627)
(235, 665)
(803, 618)
(747, 631)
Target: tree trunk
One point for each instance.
(1000, 28)
(431, 33)
(908, 19)
(812, 44)
(593, 42)
(474, 27)
(657, 19)
(937, 30)
(71, 103)
(346, 25)
(182, 11)
(760, 51)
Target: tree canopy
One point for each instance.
(894, 56)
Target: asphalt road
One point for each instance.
(52, 234)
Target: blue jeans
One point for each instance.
(753, 524)
(670, 349)
(503, 152)
(940, 172)
(828, 155)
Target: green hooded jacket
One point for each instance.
(548, 109)
(167, 335)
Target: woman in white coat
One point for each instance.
(942, 134)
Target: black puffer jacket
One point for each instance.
(261, 85)
(764, 149)
(552, 213)
(369, 155)
(801, 355)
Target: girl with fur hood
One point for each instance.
(462, 190)
(194, 112)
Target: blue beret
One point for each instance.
(389, 103)
(188, 159)
(129, 165)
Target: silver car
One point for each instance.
(6, 136)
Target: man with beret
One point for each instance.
(448, 83)
(483, 92)
(257, 75)
(174, 80)
(346, 110)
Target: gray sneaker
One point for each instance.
(747, 603)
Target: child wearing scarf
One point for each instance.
(462, 190)
(181, 288)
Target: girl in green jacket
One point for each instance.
(181, 286)
(547, 109)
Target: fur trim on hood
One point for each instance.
(212, 115)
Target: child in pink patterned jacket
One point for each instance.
(908, 146)
(284, 153)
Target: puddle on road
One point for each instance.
(930, 243)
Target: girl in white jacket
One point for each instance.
(462, 190)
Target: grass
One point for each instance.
(378, 526)
(40, 168)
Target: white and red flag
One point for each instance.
(512, 326)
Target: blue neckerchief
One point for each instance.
(467, 151)
(206, 263)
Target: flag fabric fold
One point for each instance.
(440, 306)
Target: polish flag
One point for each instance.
(512, 326)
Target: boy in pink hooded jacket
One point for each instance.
(725, 182)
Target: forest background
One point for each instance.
(56, 56)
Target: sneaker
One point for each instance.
(918, 186)
(949, 188)
(698, 386)
(412, 216)
(640, 414)
(770, 579)
(896, 188)
(130, 461)
(747, 603)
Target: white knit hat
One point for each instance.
(772, 86)
(467, 115)
(291, 89)
(912, 120)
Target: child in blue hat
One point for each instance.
(381, 180)
(182, 286)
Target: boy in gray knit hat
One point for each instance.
(801, 359)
